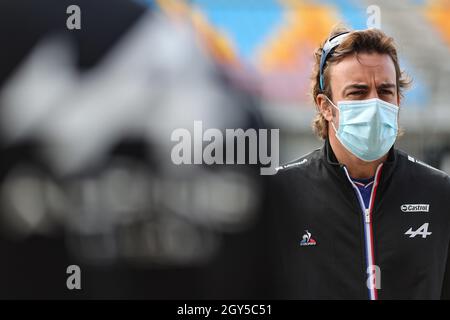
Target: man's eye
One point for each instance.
(386, 92)
(356, 93)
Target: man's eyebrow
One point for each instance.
(387, 86)
(359, 86)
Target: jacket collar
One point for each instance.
(330, 160)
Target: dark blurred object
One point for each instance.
(85, 169)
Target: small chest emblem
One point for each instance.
(422, 231)
(307, 240)
(416, 207)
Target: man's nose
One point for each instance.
(373, 93)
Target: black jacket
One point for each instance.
(316, 203)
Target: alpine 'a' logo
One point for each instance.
(422, 231)
(415, 207)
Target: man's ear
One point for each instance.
(324, 107)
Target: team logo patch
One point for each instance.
(292, 164)
(422, 231)
(415, 207)
(307, 240)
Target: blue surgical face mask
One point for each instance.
(367, 128)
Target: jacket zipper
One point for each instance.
(367, 214)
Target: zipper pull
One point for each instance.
(367, 215)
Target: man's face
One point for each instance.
(359, 77)
(363, 76)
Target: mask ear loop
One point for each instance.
(332, 122)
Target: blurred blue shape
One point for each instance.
(352, 12)
(248, 23)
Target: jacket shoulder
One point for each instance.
(422, 169)
(302, 162)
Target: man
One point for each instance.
(360, 219)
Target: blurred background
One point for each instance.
(86, 117)
(271, 42)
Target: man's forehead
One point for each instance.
(357, 68)
(373, 60)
